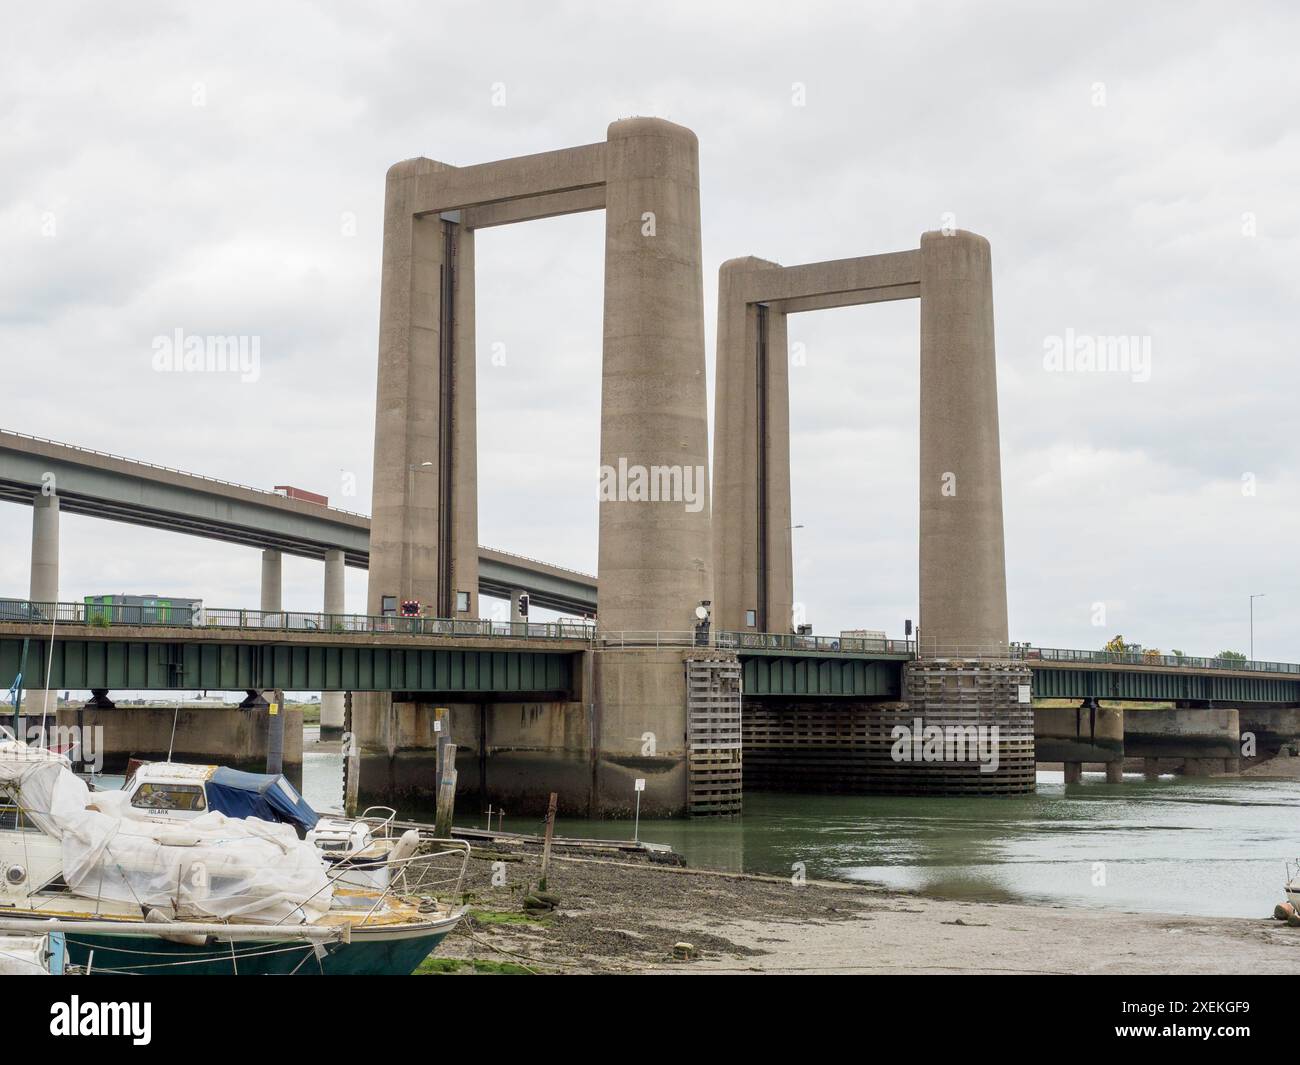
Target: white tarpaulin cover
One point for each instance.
(212, 865)
(23, 956)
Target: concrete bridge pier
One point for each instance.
(331, 703)
(1203, 741)
(1207, 741)
(1075, 736)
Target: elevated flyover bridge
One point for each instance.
(76, 480)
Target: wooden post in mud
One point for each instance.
(546, 846)
(446, 794)
(440, 724)
(351, 760)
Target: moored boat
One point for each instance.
(212, 894)
(357, 848)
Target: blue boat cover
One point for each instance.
(270, 797)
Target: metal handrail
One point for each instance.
(1146, 658)
(100, 615)
(412, 874)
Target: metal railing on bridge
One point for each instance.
(109, 615)
(1148, 658)
(777, 641)
(163, 615)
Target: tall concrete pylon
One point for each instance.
(963, 676)
(963, 578)
(654, 555)
(963, 597)
(655, 565)
(753, 568)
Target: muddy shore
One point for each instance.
(626, 917)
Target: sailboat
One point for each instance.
(213, 894)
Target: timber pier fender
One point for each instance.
(984, 704)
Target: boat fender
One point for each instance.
(189, 939)
(406, 846)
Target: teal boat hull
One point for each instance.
(148, 955)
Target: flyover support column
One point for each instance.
(44, 588)
(331, 703)
(655, 553)
(271, 583)
(515, 613)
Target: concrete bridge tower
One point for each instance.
(963, 676)
(654, 551)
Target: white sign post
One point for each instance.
(639, 785)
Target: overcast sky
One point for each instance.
(219, 168)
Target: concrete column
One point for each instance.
(1151, 768)
(424, 528)
(515, 613)
(963, 592)
(464, 433)
(45, 549)
(752, 558)
(44, 588)
(271, 583)
(1114, 772)
(331, 703)
(655, 557)
(1073, 772)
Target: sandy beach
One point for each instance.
(626, 917)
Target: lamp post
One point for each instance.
(1259, 595)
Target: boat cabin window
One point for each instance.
(169, 797)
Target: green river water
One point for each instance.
(1215, 847)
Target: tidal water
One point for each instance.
(1214, 847)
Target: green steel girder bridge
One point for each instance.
(130, 647)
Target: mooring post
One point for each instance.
(351, 760)
(546, 846)
(446, 794)
(440, 742)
